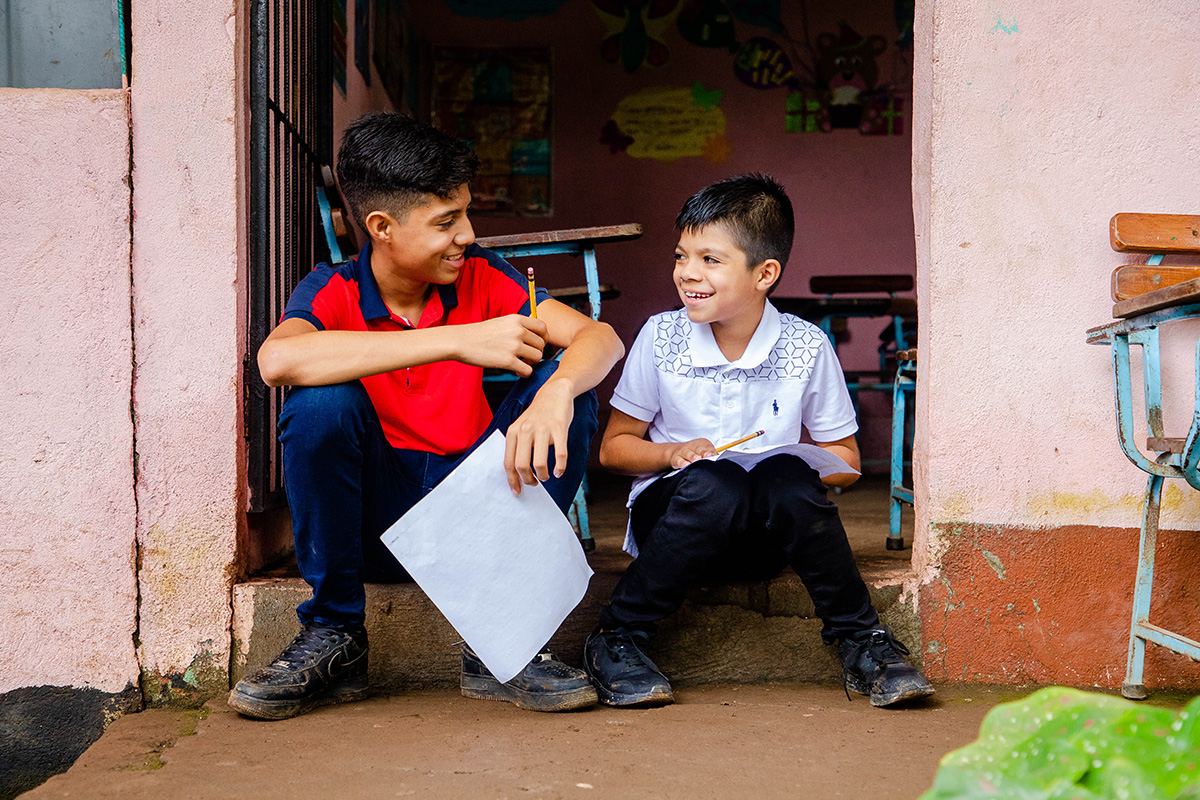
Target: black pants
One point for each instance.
(715, 522)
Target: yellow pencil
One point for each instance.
(739, 441)
(532, 295)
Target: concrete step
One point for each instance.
(740, 633)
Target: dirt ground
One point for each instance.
(717, 741)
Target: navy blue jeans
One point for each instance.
(716, 522)
(346, 485)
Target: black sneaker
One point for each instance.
(873, 664)
(546, 684)
(322, 665)
(622, 673)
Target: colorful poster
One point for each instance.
(762, 64)
(667, 124)
(635, 30)
(499, 101)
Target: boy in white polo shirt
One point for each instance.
(726, 365)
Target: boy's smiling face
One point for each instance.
(429, 245)
(715, 283)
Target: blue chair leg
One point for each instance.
(1133, 688)
(899, 493)
(578, 515)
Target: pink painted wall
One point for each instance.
(1036, 122)
(188, 103)
(67, 513)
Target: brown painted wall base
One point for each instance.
(1053, 606)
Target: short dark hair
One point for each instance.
(756, 211)
(389, 162)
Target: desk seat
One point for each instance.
(1147, 297)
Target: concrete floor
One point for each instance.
(717, 741)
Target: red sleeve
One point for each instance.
(321, 298)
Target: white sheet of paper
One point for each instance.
(505, 571)
(820, 459)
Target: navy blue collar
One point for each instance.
(369, 301)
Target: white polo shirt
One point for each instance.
(677, 379)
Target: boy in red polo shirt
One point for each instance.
(384, 356)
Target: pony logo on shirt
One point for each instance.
(775, 407)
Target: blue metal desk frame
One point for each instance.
(1143, 331)
(905, 384)
(585, 246)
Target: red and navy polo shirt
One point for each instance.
(439, 407)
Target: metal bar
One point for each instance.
(255, 390)
(547, 249)
(1124, 396)
(335, 252)
(1143, 583)
(1172, 641)
(1104, 334)
(593, 280)
(1151, 378)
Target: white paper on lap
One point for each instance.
(820, 459)
(505, 571)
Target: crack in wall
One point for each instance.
(137, 516)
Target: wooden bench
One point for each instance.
(1148, 296)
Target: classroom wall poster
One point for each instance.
(498, 99)
(669, 123)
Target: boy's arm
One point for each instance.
(591, 350)
(847, 450)
(625, 449)
(296, 353)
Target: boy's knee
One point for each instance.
(719, 481)
(790, 479)
(321, 411)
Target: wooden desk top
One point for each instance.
(604, 233)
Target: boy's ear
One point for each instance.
(379, 224)
(768, 273)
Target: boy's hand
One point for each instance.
(514, 343)
(687, 452)
(544, 423)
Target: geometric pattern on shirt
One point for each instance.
(791, 358)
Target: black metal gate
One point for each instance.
(291, 136)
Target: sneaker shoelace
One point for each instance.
(307, 647)
(625, 651)
(883, 647)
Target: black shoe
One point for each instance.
(546, 684)
(622, 673)
(873, 664)
(322, 665)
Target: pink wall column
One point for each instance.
(67, 513)
(1036, 122)
(188, 274)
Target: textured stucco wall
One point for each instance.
(68, 599)
(188, 336)
(1040, 121)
